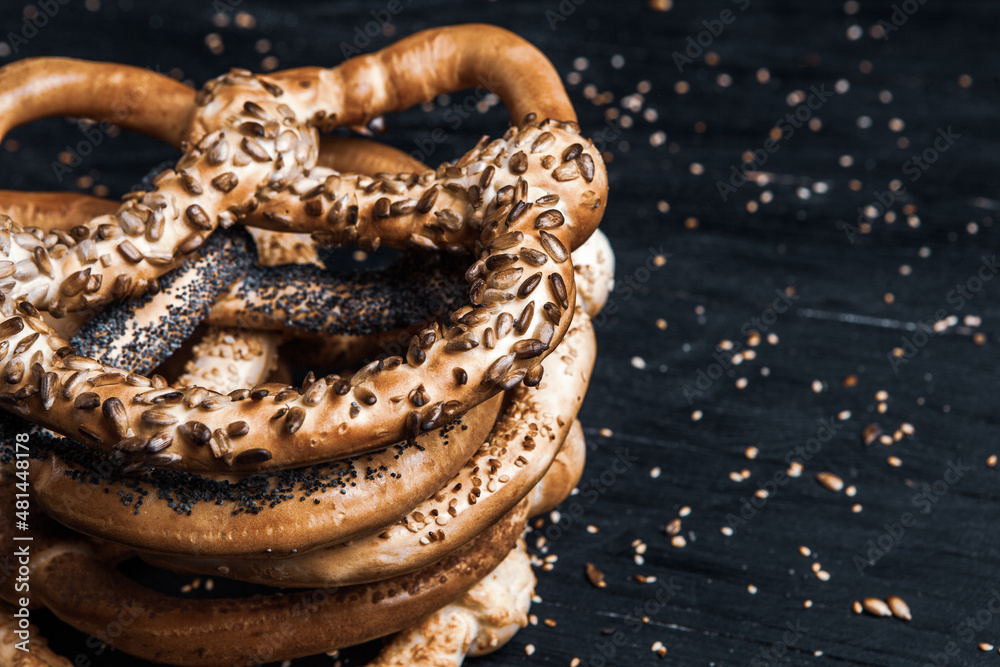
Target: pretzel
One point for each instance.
(437, 525)
(76, 584)
(240, 102)
(481, 621)
(522, 447)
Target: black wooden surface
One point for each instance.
(937, 72)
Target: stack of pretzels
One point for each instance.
(388, 489)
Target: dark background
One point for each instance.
(855, 297)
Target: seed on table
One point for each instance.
(595, 576)
(899, 608)
(830, 481)
(857, 607)
(876, 607)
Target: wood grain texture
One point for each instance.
(719, 275)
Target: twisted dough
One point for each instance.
(246, 136)
(482, 204)
(525, 441)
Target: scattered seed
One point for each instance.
(899, 608)
(595, 576)
(830, 481)
(871, 434)
(876, 607)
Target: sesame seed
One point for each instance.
(807, 604)
(823, 575)
(726, 530)
(830, 481)
(751, 589)
(899, 608)
(751, 452)
(805, 551)
(876, 607)
(678, 541)
(894, 461)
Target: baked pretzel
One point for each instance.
(519, 451)
(252, 155)
(243, 136)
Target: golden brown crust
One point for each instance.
(88, 594)
(132, 97)
(523, 445)
(54, 210)
(481, 621)
(520, 204)
(431, 62)
(304, 441)
(348, 506)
